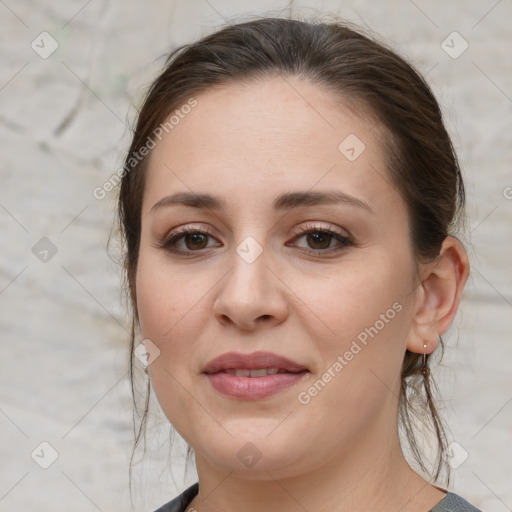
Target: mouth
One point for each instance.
(252, 376)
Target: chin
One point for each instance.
(259, 459)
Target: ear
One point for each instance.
(438, 296)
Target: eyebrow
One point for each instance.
(284, 201)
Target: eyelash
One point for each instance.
(170, 241)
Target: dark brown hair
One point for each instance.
(421, 161)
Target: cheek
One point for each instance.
(171, 314)
(354, 298)
(366, 308)
(359, 383)
(163, 308)
(166, 298)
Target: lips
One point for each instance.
(252, 365)
(253, 376)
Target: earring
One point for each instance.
(425, 370)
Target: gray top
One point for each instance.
(450, 503)
(454, 503)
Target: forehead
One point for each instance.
(256, 140)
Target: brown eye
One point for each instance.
(195, 240)
(186, 241)
(319, 240)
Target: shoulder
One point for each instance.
(454, 503)
(179, 504)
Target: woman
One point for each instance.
(288, 206)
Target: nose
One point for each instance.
(250, 296)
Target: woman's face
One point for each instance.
(338, 304)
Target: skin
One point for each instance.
(339, 452)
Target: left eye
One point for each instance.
(320, 239)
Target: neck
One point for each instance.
(368, 478)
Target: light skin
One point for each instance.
(246, 145)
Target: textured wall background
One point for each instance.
(63, 130)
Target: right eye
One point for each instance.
(191, 240)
